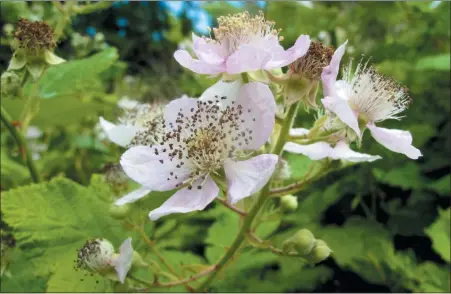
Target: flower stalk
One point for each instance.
(23, 147)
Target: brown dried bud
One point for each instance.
(34, 36)
(312, 63)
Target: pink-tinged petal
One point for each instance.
(343, 89)
(223, 92)
(123, 262)
(315, 151)
(247, 58)
(395, 140)
(282, 58)
(258, 113)
(344, 112)
(298, 132)
(153, 168)
(344, 152)
(330, 72)
(208, 52)
(132, 196)
(188, 200)
(176, 107)
(197, 66)
(244, 178)
(119, 134)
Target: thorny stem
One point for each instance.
(160, 257)
(261, 199)
(23, 146)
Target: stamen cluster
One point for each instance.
(34, 36)
(374, 96)
(311, 64)
(205, 137)
(243, 28)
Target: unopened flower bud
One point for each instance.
(319, 252)
(301, 243)
(289, 203)
(96, 255)
(119, 212)
(8, 29)
(10, 84)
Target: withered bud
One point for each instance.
(115, 177)
(312, 63)
(34, 36)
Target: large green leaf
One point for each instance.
(74, 77)
(52, 221)
(439, 232)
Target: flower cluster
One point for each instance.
(223, 139)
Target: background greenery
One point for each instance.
(388, 223)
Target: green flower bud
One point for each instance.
(119, 212)
(300, 243)
(138, 261)
(319, 252)
(10, 84)
(8, 29)
(289, 203)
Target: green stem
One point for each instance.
(285, 130)
(262, 197)
(23, 147)
(245, 78)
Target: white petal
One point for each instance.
(244, 178)
(281, 58)
(132, 196)
(298, 132)
(119, 134)
(313, 151)
(344, 152)
(179, 106)
(123, 262)
(33, 132)
(395, 140)
(330, 72)
(127, 104)
(205, 51)
(154, 170)
(198, 66)
(342, 109)
(247, 58)
(258, 115)
(187, 200)
(222, 91)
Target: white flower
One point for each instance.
(142, 118)
(141, 125)
(32, 136)
(241, 43)
(97, 255)
(367, 96)
(203, 137)
(321, 150)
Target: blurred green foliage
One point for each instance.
(386, 222)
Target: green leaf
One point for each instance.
(437, 62)
(52, 221)
(13, 173)
(439, 232)
(227, 224)
(74, 77)
(441, 186)
(406, 177)
(433, 278)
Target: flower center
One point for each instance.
(373, 95)
(149, 117)
(242, 28)
(205, 136)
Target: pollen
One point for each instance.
(373, 95)
(312, 63)
(242, 28)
